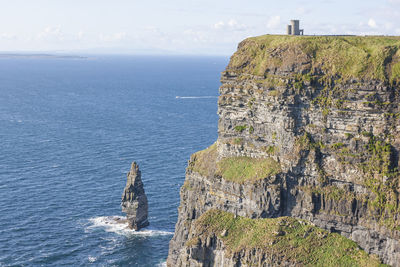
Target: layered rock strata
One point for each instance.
(134, 200)
(308, 128)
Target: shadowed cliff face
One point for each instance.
(309, 128)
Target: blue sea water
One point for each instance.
(69, 130)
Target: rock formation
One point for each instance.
(134, 200)
(309, 128)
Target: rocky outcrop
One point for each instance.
(326, 110)
(134, 200)
(222, 239)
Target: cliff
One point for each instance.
(307, 153)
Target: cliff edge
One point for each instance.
(305, 168)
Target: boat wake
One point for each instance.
(119, 225)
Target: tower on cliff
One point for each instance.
(294, 28)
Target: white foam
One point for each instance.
(92, 259)
(194, 97)
(162, 264)
(111, 224)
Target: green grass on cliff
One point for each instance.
(246, 169)
(234, 169)
(284, 239)
(203, 162)
(371, 57)
(396, 70)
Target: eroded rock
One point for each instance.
(134, 200)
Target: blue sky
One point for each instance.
(212, 27)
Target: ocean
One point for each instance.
(69, 130)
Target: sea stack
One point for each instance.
(134, 200)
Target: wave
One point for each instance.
(195, 97)
(92, 259)
(118, 225)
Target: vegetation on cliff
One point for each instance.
(382, 178)
(332, 56)
(376, 161)
(203, 162)
(285, 239)
(234, 169)
(334, 76)
(316, 118)
(247, 169)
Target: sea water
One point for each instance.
(69, 130)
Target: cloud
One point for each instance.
(372, 23)
(153, 29)
(120, 35)
(8, 36)
(219, 25)
(388, 25)
(300, 10)
(115, 37)
(80, 35)
(229, 25)
(51, 32)
(273, 22)
(198, 36)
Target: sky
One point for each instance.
(185, 27)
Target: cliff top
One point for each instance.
(347, 57)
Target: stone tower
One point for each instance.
(294, 28)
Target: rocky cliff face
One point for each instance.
(309, 128)
(134, 199)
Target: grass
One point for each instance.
(235, 169)
(337, 146)
(348, 57)
(285, 239)
(396, 68)
(251, 129)
(246, 169)
(269, 149)
(274, 93)
(240, 128)
(203, 162)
